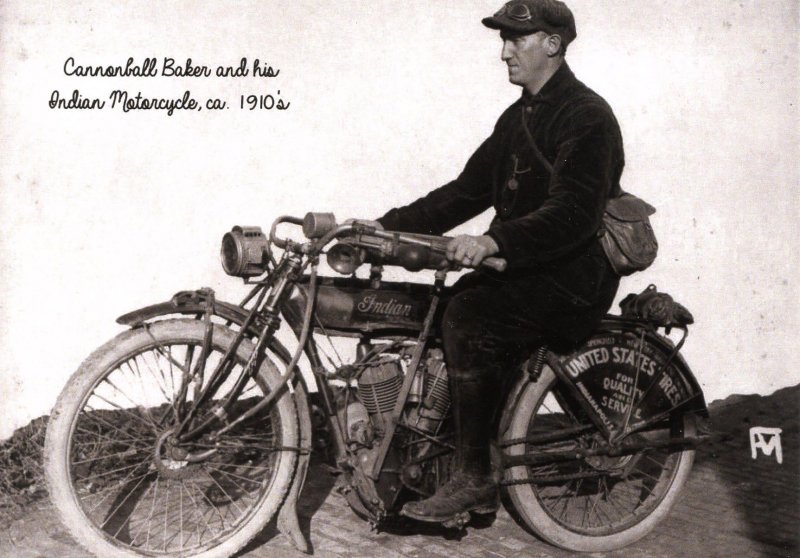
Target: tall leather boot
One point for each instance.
(471, 487)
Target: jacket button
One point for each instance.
(529, 109)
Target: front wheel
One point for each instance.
(122, 482)
(593, 504)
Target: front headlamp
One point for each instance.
(245, 252)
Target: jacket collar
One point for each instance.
(554, 89)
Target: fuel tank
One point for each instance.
(350, 304)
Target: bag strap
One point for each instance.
(547, 164)
(542, 159)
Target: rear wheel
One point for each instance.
(596, 503)
(123, 484)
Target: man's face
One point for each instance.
(525, 55)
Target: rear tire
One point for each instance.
(597, 509)
(120, 485)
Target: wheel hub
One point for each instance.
(606, 462)
(170, 460)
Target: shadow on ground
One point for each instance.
(765, 493)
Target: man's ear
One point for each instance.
(553, 45)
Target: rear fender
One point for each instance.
(613, 327)
(698, 402)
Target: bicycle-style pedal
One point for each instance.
(458, 521)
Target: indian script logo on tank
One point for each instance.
(625, 381)
(372, 304)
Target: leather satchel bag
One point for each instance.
(626, 234)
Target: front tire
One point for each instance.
(121, 484)
(594, 504)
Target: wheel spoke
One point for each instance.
(161, 386)
(93, 414)
(211, 505)
(658, 464)
(149, 424)
(610, 500)
(116, 509)
(111, 441)
(135, 405)
(146, 520)
(247, 492)
(144, 393)
(649, 476)
(567, 501)
(262, 467)
(112, 471)
(127, 453)
(601, 509)
(108, 489)
(180, 511)
(225, 492)
(560, 497)
(166, 514)
(229, 474)
(196, 508)
(594, 500)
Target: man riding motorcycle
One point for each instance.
(549, 167)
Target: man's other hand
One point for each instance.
(471, 250)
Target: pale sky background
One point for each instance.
(102, 212)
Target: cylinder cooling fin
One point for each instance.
(379, 386)
(437, 391)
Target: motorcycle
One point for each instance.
(187, 433)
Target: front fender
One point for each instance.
(193, 303)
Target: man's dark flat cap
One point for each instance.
(529, 16)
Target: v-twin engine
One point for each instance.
(379, 386)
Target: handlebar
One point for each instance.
(437, 244)
(273, 237)
(322, 228)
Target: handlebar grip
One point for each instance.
(497, 264)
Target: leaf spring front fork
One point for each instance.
(268, 311)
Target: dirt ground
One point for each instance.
(733, 505)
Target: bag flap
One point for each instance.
(628, 207)
(632, 240)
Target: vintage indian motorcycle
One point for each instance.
(186, 434)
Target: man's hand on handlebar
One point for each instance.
(471, 250)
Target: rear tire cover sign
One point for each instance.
(619, 373)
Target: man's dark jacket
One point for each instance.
(546, 223)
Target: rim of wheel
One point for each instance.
(139, 487)
(602, 495)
